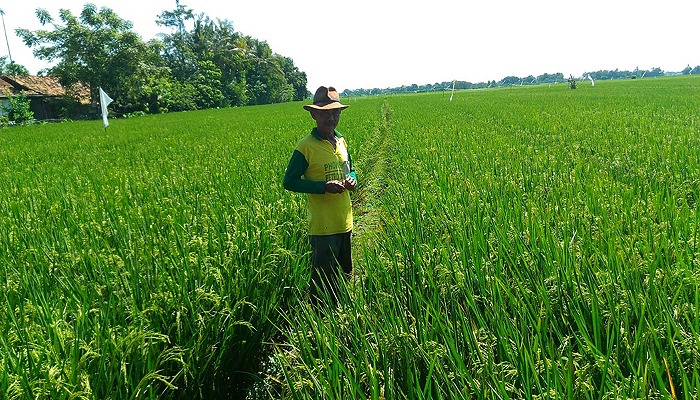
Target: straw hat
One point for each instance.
(326, 98)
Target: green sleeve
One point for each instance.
(293, 180)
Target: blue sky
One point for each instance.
(368, 44)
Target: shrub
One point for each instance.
(18, 109)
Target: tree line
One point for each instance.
(518, 81)
(202, 63)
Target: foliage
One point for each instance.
(209, 66)
(691, 71)
(66, 107)
(11, 68)
(18, 110)
(516, 81)
(97, 48)
(228, 68)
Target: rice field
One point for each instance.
(528, 242)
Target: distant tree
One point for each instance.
(295, 78)
(654, 72)
(97, 48)
(460, 85)
(226, 67)
(551, 78)
(11, 68)
(201, 64)
(695, 70)
(266, 80)
(510, 80)
(177, 52)
(611, 74)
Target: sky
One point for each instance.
(388, 43)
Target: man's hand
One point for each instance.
(335, 187)
(350, 183)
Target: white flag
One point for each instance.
(105, 100)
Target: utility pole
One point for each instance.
(2, 15)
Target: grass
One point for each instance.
(533, 242)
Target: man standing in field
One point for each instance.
(321, 167)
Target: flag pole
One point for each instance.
(105, 100)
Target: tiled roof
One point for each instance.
(5, 88)
(46, 86)
(36, 85)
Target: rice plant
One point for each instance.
(531, 242)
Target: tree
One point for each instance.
(654, 72)
(212, 46)
(510, 80)
(12, 68)
(295, 78)
(213, 58)
(551, 78)
(176, 52)
(266, 81)
(98, 48)
(210, 65)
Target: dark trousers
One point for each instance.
(330, 254)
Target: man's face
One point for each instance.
(326, 120)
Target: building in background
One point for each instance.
(48, 98)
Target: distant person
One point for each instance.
(321, 167)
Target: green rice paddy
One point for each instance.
(527, 242)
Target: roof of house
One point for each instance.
(5, 88)
(44, 86)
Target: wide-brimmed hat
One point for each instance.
(326, 98)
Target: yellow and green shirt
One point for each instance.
(313, 163)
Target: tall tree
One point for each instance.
(97, 48)
(295, 78)
(176, 52)
(266, 80)
(224, 66)
(209, 65)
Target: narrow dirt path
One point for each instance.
(366, 201)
